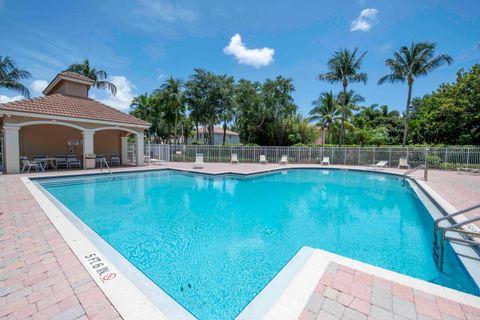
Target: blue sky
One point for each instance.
(141, 42)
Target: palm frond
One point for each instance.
(106, 85)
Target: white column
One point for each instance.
(139, 149)
(124, 149)
(12, 148)
(88, 146)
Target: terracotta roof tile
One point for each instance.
(74, 107)
(74, 75)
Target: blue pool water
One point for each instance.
(213, 243)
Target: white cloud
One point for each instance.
(124, 95)
(253, 57)
(365, 21)
(39, 85)
(166, 11)
(5, 99)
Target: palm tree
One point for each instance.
(173, 94)
(410, 63)
(99, 76)
(326, 112)
(344, 67)
(10, 76)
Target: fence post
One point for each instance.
(374, 150)
(345, 156)
(445, 161)
(390, 156)
(468, 157)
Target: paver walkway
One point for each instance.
(40, 277)
(349, 294)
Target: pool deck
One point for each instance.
(41, 277)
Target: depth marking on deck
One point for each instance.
(96, 264)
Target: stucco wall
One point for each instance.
(49, 140)
(107, 142)
(71, 89)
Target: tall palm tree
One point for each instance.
(410, 63)
(10, 76)
(344, 66)
(326, 112)
(99, 76)
(173, 94)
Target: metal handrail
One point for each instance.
(106, 164)
(422, 166)
(437, 221)
(456, 227)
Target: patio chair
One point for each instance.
(403, 163)
(42, 159)
(61, 161)
(28, 165)
(380, 164)
(198, 161)
(73, 162)
(284, 160)
(115, 160)
(99, 160)
(325, 161)
(263, 159)
(234, 159)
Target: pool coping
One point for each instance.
(291, 278)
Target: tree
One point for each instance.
(173, 100)
(201, 93)
(99, 76)
(147, 107)
(450, 114)
(250, 110)
(344, 66)
(10, 76)
(410, 63)
(326, 112)
(226, 101)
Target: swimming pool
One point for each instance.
(213, 243)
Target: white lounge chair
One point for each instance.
(263, 159)
(28, 165)
(156, 161)
(380, 164)
(284, 160)
(403, 163)
(468, 171)
(198, 161)
(325, 161)
(234, 159)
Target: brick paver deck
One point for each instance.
(349, 294)
(40, 277)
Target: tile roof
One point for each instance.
(73, 107)
(76, 76)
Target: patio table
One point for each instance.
(48, 162)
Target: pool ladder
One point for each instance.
(409, 172)
(463, 236)
(104, 161)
